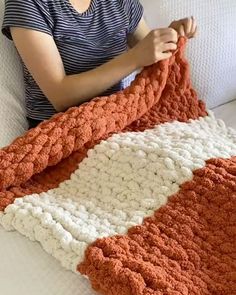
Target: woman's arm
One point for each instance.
(41, 56)
(140, 33)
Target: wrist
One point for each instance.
(132, 60)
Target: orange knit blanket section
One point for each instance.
(48, 154)
(187, 247)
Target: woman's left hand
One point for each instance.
(185, 27)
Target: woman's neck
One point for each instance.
(81, 5)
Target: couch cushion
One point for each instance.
(12, 116)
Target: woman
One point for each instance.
(74, 50)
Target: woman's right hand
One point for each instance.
(158, 45)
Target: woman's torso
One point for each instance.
(84, 41)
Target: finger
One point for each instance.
(174, 25)
(162, 31)
(188, 26)
(165, 55)
(168, 47)
(194, 26)
(169, 36)
(166, 31)
(193, 35)
(181, 31)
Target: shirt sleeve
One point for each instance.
(134, 11)
(29, 14)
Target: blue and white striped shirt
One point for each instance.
(84, 40)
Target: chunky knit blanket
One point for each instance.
(136, 191)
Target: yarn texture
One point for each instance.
(137, 190)
(161, 93)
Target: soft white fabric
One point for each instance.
(227, 112)
(212, 54)
(12, 117)
(123, 180)
(27, 270)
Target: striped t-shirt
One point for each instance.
(84, 40)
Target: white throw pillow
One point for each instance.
(213, 53)
(12, 115)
